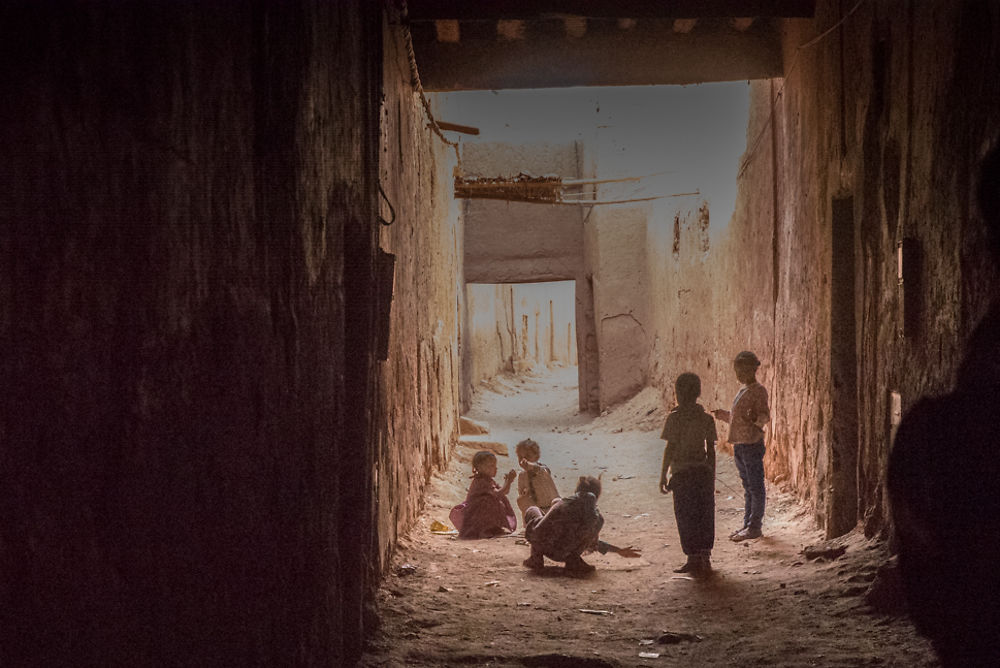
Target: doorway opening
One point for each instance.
(518, 329)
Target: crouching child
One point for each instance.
(569, 529)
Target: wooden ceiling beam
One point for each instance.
(651, 53)
(495, 10)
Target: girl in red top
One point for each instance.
(486, 511)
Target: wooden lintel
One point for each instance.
(455, 127)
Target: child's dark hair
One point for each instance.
(481, 457)
(589, 483)
(527, 445)
(688, 388)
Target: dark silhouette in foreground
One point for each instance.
(944, 484)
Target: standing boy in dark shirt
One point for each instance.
(690, 456)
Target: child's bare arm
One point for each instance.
(664, 488)
(507, 480)
(721, 414)
(627, 552)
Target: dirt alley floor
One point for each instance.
(450, 602)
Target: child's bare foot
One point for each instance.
(578, 566)
(535, 562)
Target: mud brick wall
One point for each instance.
(185, 314)
(616, 238)
(870, 139)
(419, 383)
(681, 298)
(877, 131)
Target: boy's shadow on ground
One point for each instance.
(559, 572)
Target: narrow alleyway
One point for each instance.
(456, 602)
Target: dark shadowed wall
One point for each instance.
(419, 382)
(187, 225)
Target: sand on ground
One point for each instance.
(450, 602)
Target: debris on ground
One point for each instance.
(673, 638)
(467, 426)
(824, 551)
(442, 529)
(477, 442)
(406, 569)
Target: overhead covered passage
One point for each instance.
(549, 44)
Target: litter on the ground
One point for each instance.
(442, 529)
(623, 477)
(646, 641)
(492, 583)
(681, 577)
(672, 638)
(591, 611)
(649, 655)
(406, 569)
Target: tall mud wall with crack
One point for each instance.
(615, 240)
(420, 381)
(681, 298)
(186, 317)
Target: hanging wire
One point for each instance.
(791, 68)
(392, 211)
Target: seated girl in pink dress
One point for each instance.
(486, 511)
